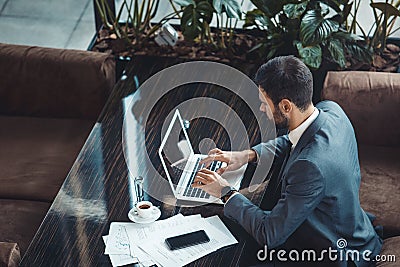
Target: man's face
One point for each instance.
(272, 111)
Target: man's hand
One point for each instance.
(234, 160)
(210, 181)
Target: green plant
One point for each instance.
(197, 15)
(385, 15)
(136, 27)
(310, 29)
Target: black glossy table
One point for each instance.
(98, 189)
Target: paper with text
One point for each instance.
(120, 259)
(129, 242)
(173, 258)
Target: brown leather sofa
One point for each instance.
(49, 102)
(372, 102)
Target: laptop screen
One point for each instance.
(175, 149)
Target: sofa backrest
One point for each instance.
(48, 82)
(372, 102)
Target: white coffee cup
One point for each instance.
(145, 209)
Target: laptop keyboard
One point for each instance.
(197, 192)
(178, 170)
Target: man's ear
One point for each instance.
(285, 106)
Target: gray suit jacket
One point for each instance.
(319, 203)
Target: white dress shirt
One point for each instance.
(295, 134)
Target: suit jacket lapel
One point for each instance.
(304, 139)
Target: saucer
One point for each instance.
(134, 217)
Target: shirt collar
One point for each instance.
(295, 134)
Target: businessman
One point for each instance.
(319, 203)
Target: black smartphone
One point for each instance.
(187, 240)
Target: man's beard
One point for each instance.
(281, 121)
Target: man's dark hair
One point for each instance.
(286, 77)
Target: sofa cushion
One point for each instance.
(36, 155)
(10, 255)
(380, 186)
(372, 102)
(48, 82)
(390, 248)
(20, 220)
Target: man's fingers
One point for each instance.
(208, 177)
(220, 157)
(206, 171)
(207, 160)
(211, 155)
(221, 170)
(198, 181)
(197, 185)
(214, 151)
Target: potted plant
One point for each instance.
(312, 30)
(317, 31)
(377, 37)
(198, 40)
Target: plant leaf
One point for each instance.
(310, 55)
(189, 23)
(205, 11)
(232, 8)
(269, 7)
(386, 8)
(295, 11)
(271, 54)
(335, 48)
(314, 28)
(184, 2)
(346, 11)
(359, 52)
(257, 18)
(256, 47)
(193, 18)
(342, 16)
(334, 4)
(347, 37)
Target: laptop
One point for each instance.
(181, 164)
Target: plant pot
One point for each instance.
(188, 51)
(393, 40)
(319, 76)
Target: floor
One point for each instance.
(50, 23)
(70, 24)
